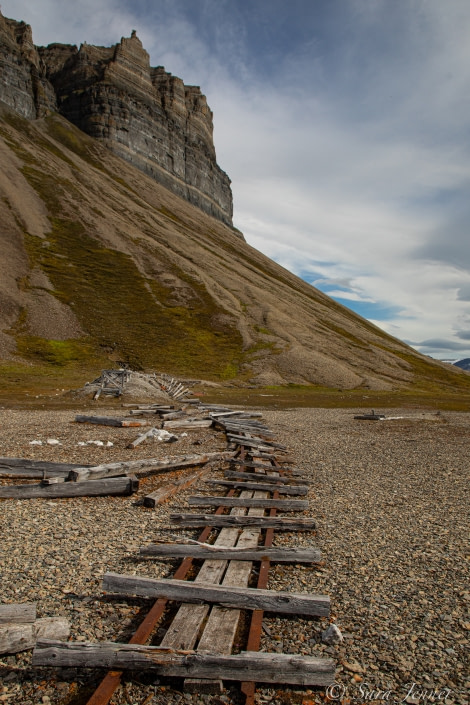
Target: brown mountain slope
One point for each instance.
(102, 265)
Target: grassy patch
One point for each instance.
(59, 353)
(26, 385)
(312, 396)
(127, 314)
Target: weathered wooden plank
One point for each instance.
(247, 464)
(157, 407)
(239, 598)
(93, 488)
(261, 667)
(278, 523)
(186, 627)
(282, 489)
(253, 441)
(221, 627)
(18, 613)
(19, 637)
(244, 427)
(258, 553)
(188, 423)
(34, 469)
(259, 477)
(287, 505)
(163, 493)
(145, 467)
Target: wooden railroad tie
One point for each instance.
(259, 477)
(287, 505)
(269, 487)
(213, 552)
(262, 667)
(237, 597)
(198, 644)
(218, 521)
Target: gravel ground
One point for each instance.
(391, 502)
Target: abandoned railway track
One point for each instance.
(226, 594)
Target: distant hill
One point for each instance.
(463, 364)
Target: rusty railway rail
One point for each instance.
(112, 680)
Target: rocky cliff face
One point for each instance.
(143, 114)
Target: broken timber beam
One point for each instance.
(145, 467)
(237, 597)
(209, 551)
(261, 667)
(163, 493)
(101, 488)
(225, 520)
(20, 637)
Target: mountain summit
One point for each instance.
(102, 264)
(143, 114)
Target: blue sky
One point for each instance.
(344, 126)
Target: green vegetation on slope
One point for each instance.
(125, 313)
(128, 317)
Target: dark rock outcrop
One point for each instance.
(143, 114)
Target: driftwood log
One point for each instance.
(34, 469)
(112, 421)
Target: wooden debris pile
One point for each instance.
(169, 418)
(237, 550)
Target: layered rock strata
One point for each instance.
(143, 114)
